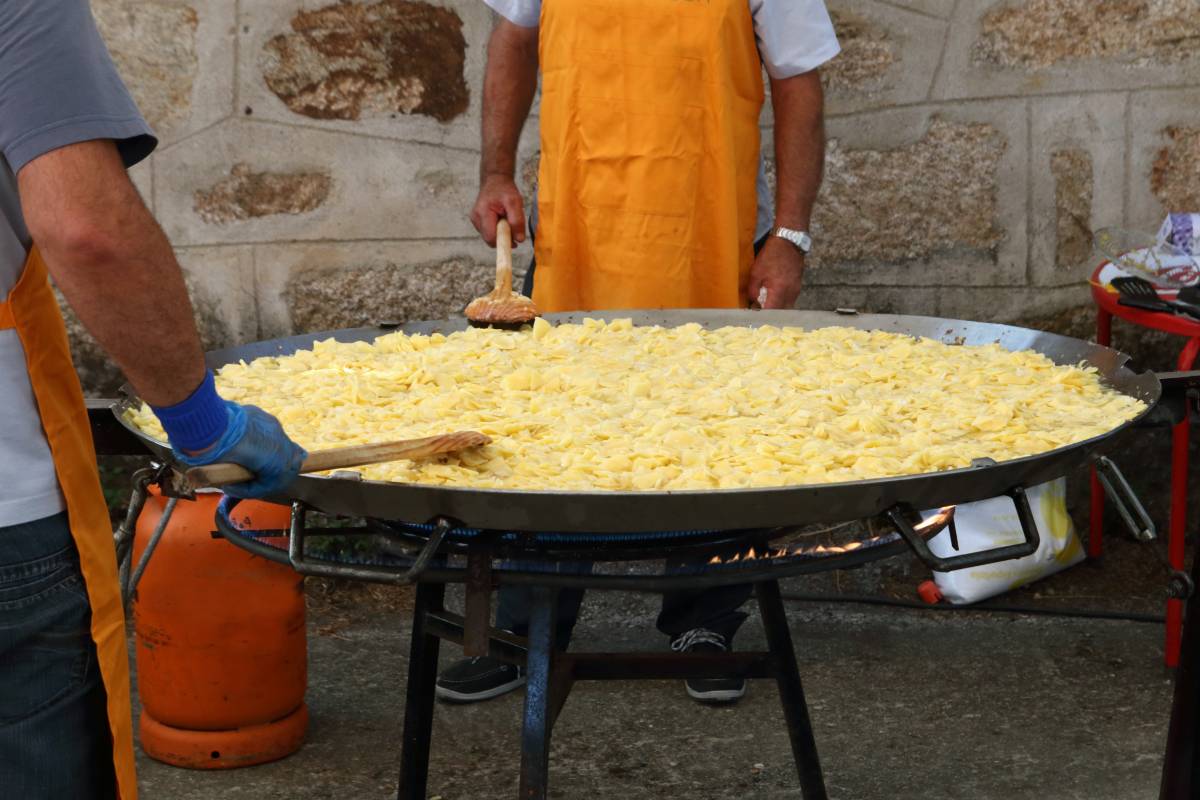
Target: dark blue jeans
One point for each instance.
(54, 737)
(717, 608)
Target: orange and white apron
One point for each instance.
(650, 147)
(32, 310)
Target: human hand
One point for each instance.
(779, 270)
(498, 199)
(257, 441)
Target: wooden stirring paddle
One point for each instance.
(344, 457)
(502, 307)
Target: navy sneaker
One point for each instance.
(475, 679)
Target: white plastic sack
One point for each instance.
(993, 523)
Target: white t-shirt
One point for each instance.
(793, 37)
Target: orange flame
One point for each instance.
(938, 521)
(935, 523)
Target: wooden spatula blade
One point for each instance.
(502, 306)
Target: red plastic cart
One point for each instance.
(1107, 307)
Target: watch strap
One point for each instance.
(800, 239)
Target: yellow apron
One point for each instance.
(650, 144)
(32, 310)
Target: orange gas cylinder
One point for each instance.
(221, 645)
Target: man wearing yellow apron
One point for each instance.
(68, 129)
(652, 195)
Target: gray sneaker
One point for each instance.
(475, 679)
(709, 690)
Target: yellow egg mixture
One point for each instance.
(613, 406)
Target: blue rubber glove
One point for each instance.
(256, 440)
(205, 429)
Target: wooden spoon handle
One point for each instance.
(503, 258)
(343, 457)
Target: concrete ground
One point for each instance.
(905, 704)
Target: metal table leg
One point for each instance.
(535, 735)
(418, 704)
(791, 692)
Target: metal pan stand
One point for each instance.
(449, 553)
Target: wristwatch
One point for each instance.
(800, 239)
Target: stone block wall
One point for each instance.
(318, 157)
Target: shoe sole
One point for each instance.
(451, 696)
(716, 697)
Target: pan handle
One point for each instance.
(918, 543)
(295, 556)
(1132, 512)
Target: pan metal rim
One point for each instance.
(1112, 365)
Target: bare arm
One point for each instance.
(509, 85)
(799, 161)
(115, 266)
(799, 147)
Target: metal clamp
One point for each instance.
(915, 537)
(1132, 512)
(297, 532)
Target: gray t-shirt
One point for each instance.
(58, 86)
